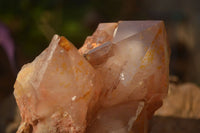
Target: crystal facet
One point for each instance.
(54, 92)
(114, 83)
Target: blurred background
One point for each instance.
(27, 26)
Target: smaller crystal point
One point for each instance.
(99, 54)
(103, 33)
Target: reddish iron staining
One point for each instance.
(64, 43)
(94, 45)
(159, 67)
(80, 63)
(67, 85)
(142, 66)
(157, 35)
(77, 69)
(64, 66)
(85, 96)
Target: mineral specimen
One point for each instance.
(113, 84)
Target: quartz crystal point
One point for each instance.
(135, 73)
(54, 92)
(113, 84)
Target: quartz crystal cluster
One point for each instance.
(112, 84)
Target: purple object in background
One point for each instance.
(7, 43)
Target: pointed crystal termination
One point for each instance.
(104, 33)
(115, 86)
(135, 72)
(54, 92)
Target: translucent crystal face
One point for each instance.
(137, 51)
(114, 83)
(134, 66)
(58, 85)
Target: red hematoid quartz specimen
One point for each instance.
(112, 84)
